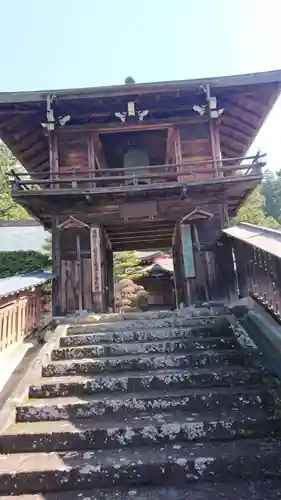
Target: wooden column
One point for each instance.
(212, 131)
(56, 265)
(53, 156)
(222, 278)
(178, 152)
(91, 158)
(79, 273)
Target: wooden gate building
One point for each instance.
(137, 166)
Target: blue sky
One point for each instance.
(78, 43)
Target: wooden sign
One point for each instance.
(96, 259)
(139, 210)
(187, 251)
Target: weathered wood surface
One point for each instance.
(19, 316)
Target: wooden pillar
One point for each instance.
(92, 158)
(212, 132)
(53, 156)
(56, 261)
(178, 152)
(224, 216)
(79, 273)
(110, 278)
(222, 278)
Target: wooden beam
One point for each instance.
(56, 266)
(99, 153)
(169, 157)
(142, 232)
(235, 124)
(16, 111)
(246, 116)
(119, 127)
(153, 245)
(53, 154)
(91, 153)
(36, 161)
(27, 140)
(243, 103)
(7, 123)
(233, 141)
(117, 238)
(234, 130)
(177, 148)
(38, 145)
(211, 123)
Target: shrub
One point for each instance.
(13, 263)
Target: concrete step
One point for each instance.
(123, 405)
(233, 490)
(150, 380)
(177, 464)
(146, 335)
(145, 429)
(157, 347)
(148, 362)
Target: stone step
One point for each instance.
(147, 362)
(174, 320)
(148, 335)
(269, 489)
(157, 347)
(177, 464)
(162, 380)
(122, 405)
(146, 429)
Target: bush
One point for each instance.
(130, 297)
(13, 263)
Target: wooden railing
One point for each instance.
(258, 267)
(178, 172)
(19, 316)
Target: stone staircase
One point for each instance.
(174, 408)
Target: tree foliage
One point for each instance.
(9, 210)
(271, 190)
(12, 263)
(254, 212)
(127, 265)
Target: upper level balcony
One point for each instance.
(154, 180)
(199, 183)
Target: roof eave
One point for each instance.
(270, 77)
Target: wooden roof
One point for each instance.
(246, 100)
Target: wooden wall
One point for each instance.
(72, 152)
(85, 276)
(19, 316)
(195, 146)
(160, 290)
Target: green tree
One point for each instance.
(253, 211)
(271, 190)
(127, 265)
(9, 210)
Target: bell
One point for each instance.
(133, 158)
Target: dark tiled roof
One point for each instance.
(14, 284)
